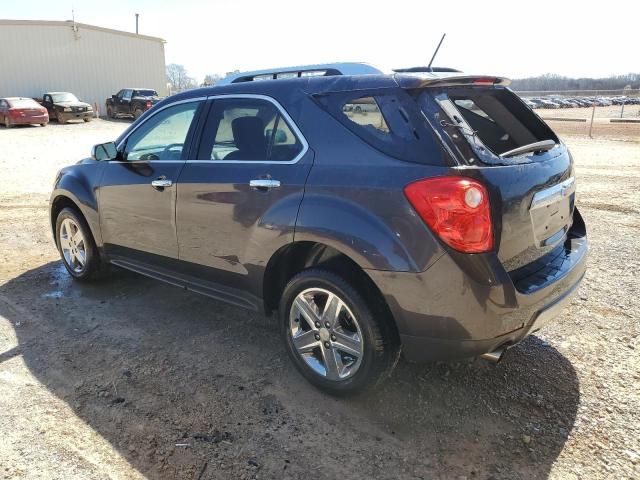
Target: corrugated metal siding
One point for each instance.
(93, 64)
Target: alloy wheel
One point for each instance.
(73, 246)
(326, 334)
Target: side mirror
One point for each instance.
(104, 151)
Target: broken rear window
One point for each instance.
(498, 118)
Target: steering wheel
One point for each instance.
(167, 153)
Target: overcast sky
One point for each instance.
(513, 39)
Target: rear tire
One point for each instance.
(77, 247)
(7, 122)
(355, 351)
(87, 120)
(137, 113)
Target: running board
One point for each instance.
(215, 291)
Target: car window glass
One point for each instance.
(366, 112)
(127, 95)
(249, 130)
(24, 103)
(162, 137)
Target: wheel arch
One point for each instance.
(65, 199)
(295, 257)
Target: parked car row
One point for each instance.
(59, 106)
(65, 106)
(578, 102)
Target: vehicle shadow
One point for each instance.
(183, 386)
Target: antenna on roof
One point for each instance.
(436, 52)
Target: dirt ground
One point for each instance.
(131, 378)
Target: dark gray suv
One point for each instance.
(429, 214)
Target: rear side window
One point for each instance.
(388, 120)
(248, 129)
(366, 113)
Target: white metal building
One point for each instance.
(91, 62)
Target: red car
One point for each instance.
(22, 111)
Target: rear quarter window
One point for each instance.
(388, 120)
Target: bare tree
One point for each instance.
(178, 78)
(211, 79)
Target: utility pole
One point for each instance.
(137, 15)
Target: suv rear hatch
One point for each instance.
(492, 136)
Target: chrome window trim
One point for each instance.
(296, 131)
(273, 101)
(145, 120)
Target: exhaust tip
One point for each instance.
(493, 357)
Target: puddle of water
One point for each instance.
(54, 294)
(60, 277)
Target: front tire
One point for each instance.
(336, 340)
(77, 248)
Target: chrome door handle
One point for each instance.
(264, 184)
(161, 183)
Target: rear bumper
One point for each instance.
(30, 120)
(450, 311)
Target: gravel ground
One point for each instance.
(131, 378)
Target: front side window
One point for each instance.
(247, 129)
(162, 137)
(126, 95)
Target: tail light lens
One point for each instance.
(456, 209)
(148, 103)
(14, 112)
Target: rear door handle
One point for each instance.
(264, 184)
(161, 183)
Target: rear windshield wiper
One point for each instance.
(543, 146)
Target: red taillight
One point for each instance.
(15, 112)
(148, 104)
(456, 209)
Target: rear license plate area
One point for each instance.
(551, 213)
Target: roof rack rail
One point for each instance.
(426, 69)
(322, 69)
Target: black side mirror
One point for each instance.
(104, 151)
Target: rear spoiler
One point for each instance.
(430, 80)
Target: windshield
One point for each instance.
(147, 93)
(63, 97)
(23, 103)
